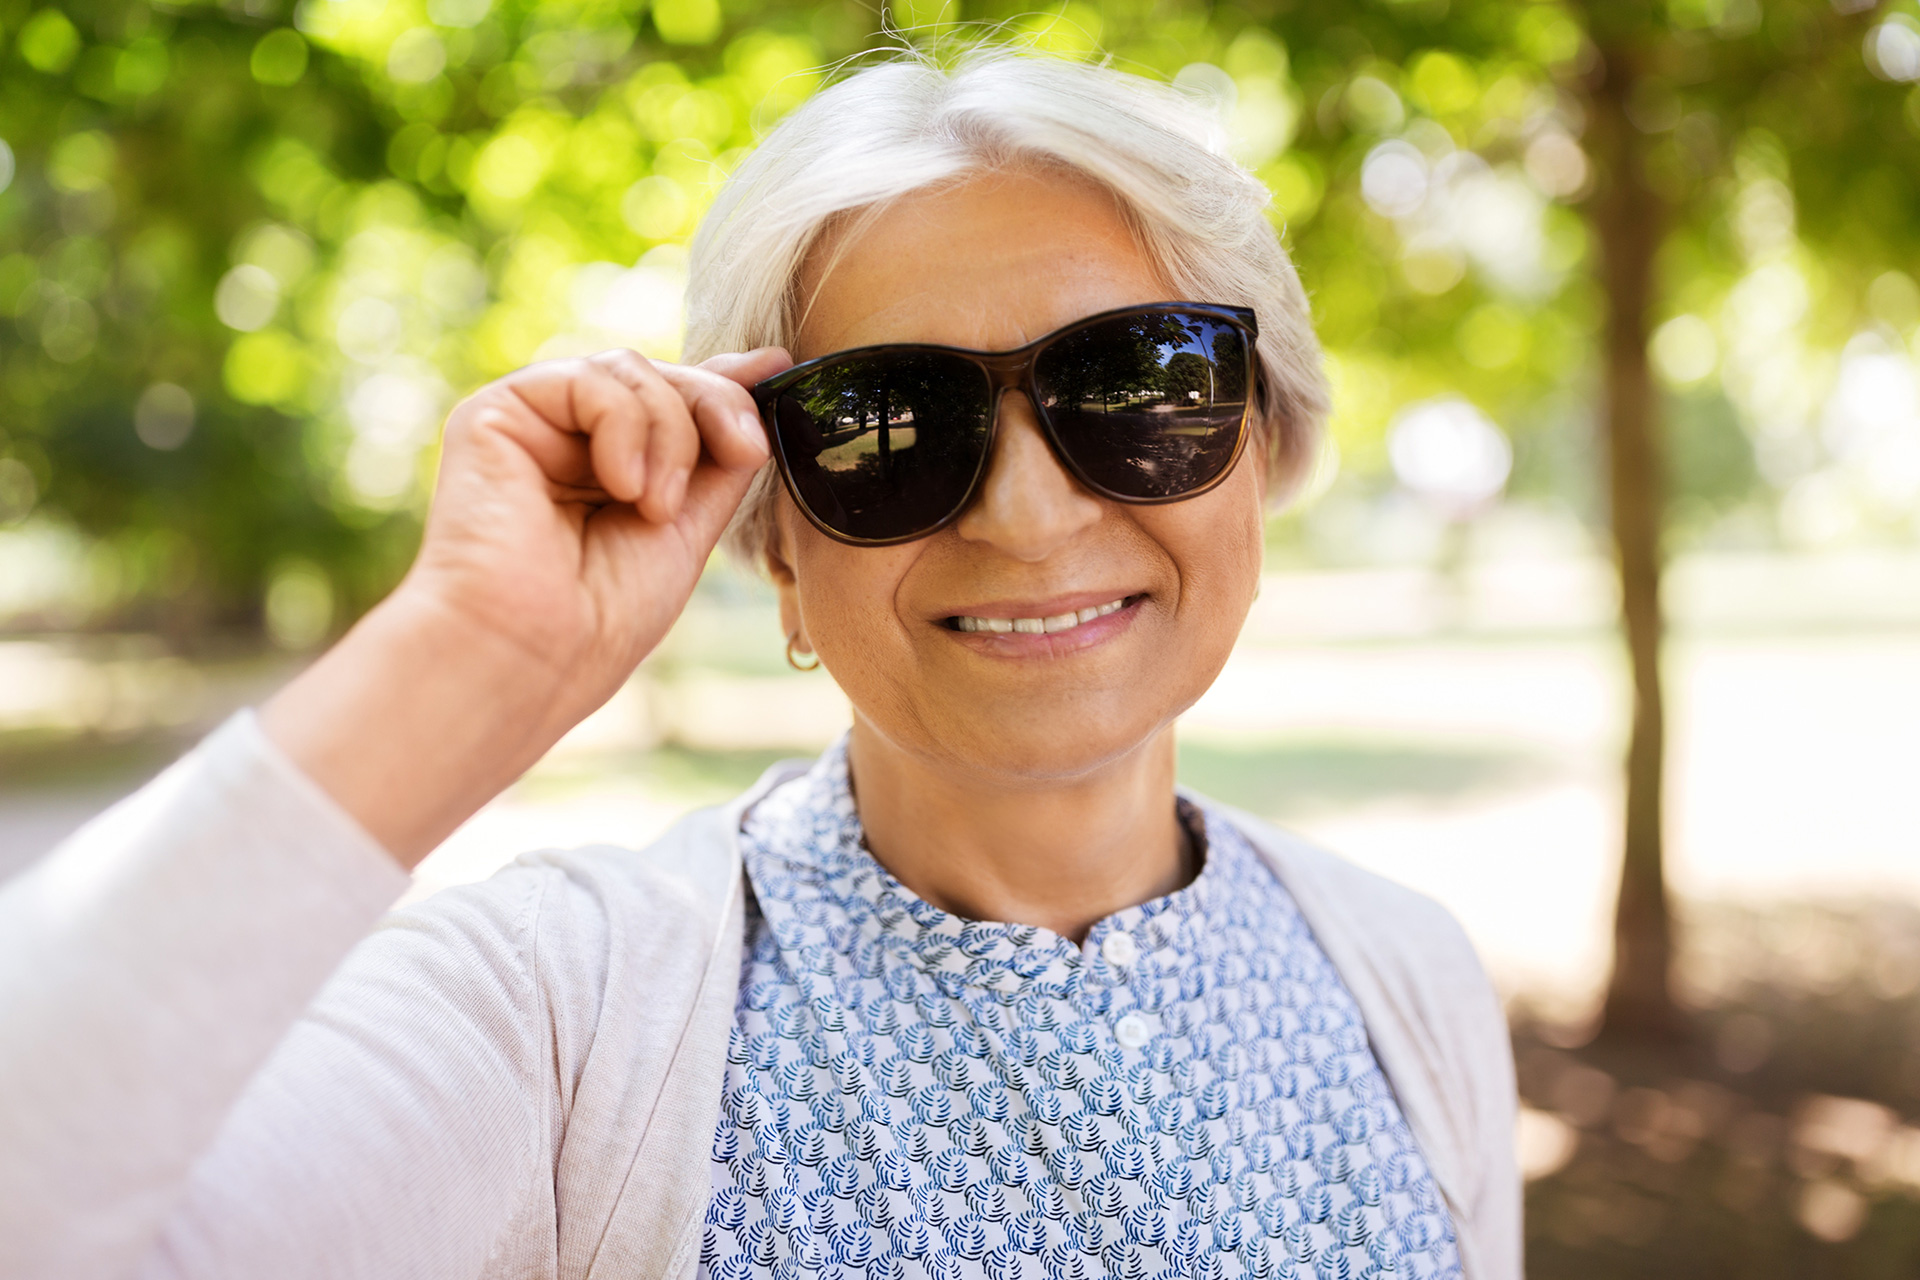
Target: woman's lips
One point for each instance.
(1039, 632)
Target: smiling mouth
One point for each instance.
(1040, 626)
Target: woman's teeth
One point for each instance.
(1039, 626)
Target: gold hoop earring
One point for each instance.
(792, 642)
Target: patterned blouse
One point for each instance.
(1188, 1093)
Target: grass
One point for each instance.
(50, 760)
(1291, 777)
(679, 774)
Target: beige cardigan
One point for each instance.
(518, 1078)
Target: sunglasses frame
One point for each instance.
(1011, 371)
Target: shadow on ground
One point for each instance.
(1780, 1142)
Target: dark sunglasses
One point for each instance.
(889, 443)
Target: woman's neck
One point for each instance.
(1060, 855)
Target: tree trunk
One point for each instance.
(1628, 218)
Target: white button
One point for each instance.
(1119, 949)
(1132, 1031)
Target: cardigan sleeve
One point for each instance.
(408, 1125)
(147, 968)
(177, 1101)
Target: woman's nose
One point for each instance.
(1028, 506)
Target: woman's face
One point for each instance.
(992, 264)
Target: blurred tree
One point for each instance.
(134, 133)
(1429, 160)
(250, 256)
(1683, 99)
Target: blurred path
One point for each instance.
(1459, 736)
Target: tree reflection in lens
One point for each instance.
(1147, 406)
(881, 445)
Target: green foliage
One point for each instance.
(248, 259)
(291, 239)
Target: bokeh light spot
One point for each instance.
(1893, 49)
(687, 21)
(1450, 453)
(416, 56)
(164, 416)
(81, 162)
(48, 41)
(141, 68)
(299, 606)
(1432, 264)
(1685, 351)
(68, 328)
(1296, 185)
(655, 207)
(508, 167)
(459, 13)
(1372, 105)
(1556, 164)
(1074, 30)
(268, 367)
(18, 491)
(1393, 180)
(280, 58)
(1894, 300)
(247, 298)
(1493, 336)
(1442, 83)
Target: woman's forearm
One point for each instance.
(416, 719)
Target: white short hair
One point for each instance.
(909, 123)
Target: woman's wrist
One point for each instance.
(415, 719)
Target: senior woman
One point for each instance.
(979, 993)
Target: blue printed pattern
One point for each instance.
(913, 1094)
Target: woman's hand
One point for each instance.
(577, 504)
(578, 501)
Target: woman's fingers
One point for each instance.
(724, 422)
(667, 445)
(545, 408)
(730, 378)
(644, 423)
(717, 392)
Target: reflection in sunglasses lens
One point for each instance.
(884, 446)
(1148, 406)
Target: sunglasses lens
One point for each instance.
(884, 445)
(1151, 405)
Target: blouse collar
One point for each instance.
(818, 885)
